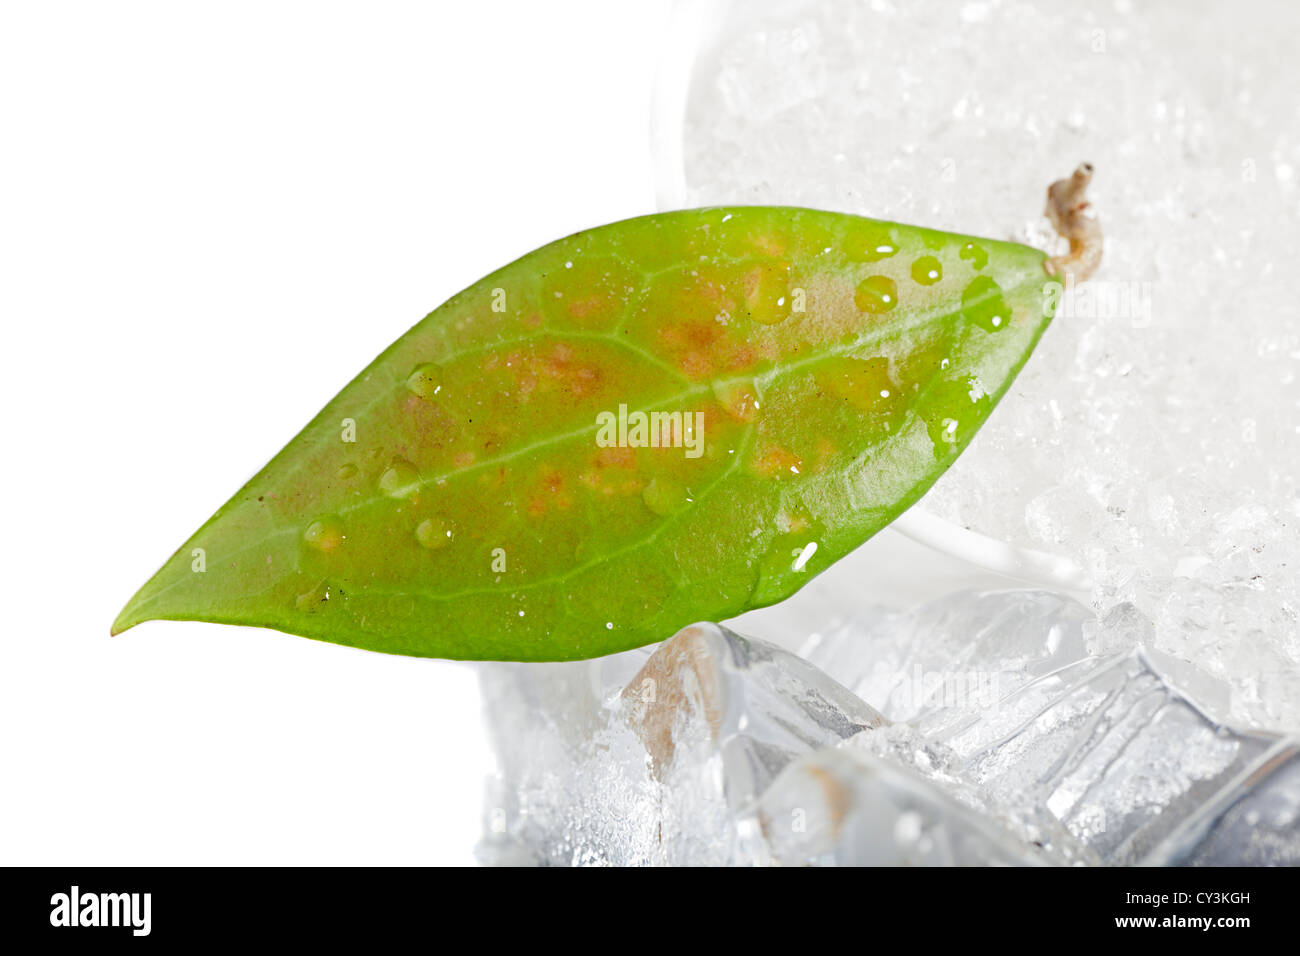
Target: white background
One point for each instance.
(211, 217)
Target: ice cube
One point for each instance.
(551, 732)
(665, 769)
(1254, 824)
(1120, 756)
(951, 661)
(1032, 702)
(712, 748)
(846, 807)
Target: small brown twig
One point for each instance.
(1072, 216)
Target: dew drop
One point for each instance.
(433, 533)
(664, 496)
(400, 479)
(864, 383)
(426, 380)
(977, 255)
(955, 408)
(876, 294)
(927, 270)
(983, 304)
(310, 600)
(777, 462)
(871, 242)
(788, 556)
(739, 399)
(324, 534)
(766, 289)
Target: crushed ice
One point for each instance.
(1154, 437)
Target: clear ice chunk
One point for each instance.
(653, 757)
(1041, 705)
(1016, 728)
(1120, 757)
(950, 661)
(1254, 824)
(847, 807)
(570, 785)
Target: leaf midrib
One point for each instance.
(876, 334)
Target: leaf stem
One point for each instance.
(1073, 217)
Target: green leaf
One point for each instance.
(461, 498)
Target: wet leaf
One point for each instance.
(669, 419)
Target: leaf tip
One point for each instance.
(128, 617)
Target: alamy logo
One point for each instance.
(101, 909)
(651, 430)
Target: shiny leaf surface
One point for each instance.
(674, 418)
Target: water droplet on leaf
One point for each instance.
(927, 270)
(324, 534)
(876, 294)
(400, 479)
(983, 304)
(739, 399)
(789, 556)
(870, 242)
(310, 600)
(664, 496)
(426, 380)
(976, 255)
(766, 289)
(433, 533)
